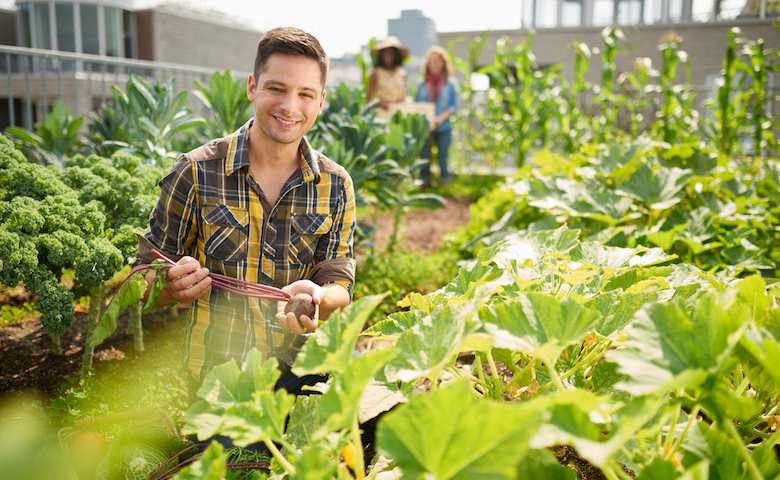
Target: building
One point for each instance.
(76, 51)
(415, 31)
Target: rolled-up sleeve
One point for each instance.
(335, 254)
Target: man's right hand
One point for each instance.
(185, 282)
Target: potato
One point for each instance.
(301, 304)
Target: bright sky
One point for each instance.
(343, 26)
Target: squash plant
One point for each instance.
(715, 212)
(648, 368)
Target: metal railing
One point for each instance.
(31, 79)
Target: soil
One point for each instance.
(30, 366)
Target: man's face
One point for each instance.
(287, 95)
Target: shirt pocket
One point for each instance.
(225, 233)
(305, 232)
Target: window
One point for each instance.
(90, 33)
(546, 15)
(603, 13)
(572, 13)
(629, 12)
(42, 25)
(66, 28)
(24, 24)
(113, 30)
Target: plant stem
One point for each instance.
(672, 424)
(95, 303)
(498, 382)
(360, 467)
(678, 442)
(556, 379)
(135, 323)
(751, 465)
(288, 467)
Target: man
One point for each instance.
(259, 205)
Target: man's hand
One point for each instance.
(185, 282)
(289, 321)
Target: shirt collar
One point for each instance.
(238, 155)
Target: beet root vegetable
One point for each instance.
(301, 304)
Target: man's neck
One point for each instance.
(271, 155)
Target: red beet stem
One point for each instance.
(234, 285)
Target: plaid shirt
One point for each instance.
(211, 208)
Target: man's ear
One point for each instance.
(322, 100)
(250, 88)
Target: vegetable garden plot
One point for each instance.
(640, 364)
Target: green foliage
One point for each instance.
(155, 115)
(107, 130)
(56, 137)
(226, 98)
(709, 211)
(402, 273)
(527, 109)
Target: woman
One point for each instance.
(438, 87)
(388, 80)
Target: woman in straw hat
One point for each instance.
(388, 80)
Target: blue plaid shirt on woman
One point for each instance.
(211, 208)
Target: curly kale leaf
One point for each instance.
(55, 302)
(100, 263)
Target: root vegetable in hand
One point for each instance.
(301, 304)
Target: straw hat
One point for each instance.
(391, 41)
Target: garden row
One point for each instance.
(527, 108)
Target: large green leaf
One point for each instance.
(617, 309)
(330, 349)
(752, 291)
(314, 464)
(340, 404)
(426, 348)
(763, 358)
(658, 189)
(450, 435)
(241, 403)
(397, 323)
(542, 464)
(672, 347)
(476, 272)
(538, 324)
(705, 443)
(305, 426)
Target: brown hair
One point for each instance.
(437, 50)
(290, 41)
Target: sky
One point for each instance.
(343, 26)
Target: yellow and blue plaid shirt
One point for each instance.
(211, 208)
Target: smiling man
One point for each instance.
(259, 205)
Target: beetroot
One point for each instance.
(301, 304)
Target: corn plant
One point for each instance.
(761, 61)
(520, 107)
(606, 97)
